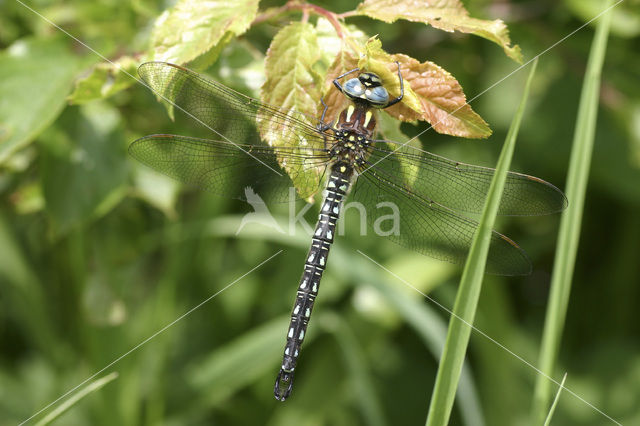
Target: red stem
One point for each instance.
(305, 8)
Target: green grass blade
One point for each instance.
(571, 221)
(547, 422)
(356, 364)
(73, 400)
(467, 298)
(432, 330)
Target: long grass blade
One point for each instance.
(77, 397)
(571, 221)
(467, 298)
(547, 422)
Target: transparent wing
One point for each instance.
(429, 228)
(234, 117)
(225, 168)
(461, 186)
(239, 119)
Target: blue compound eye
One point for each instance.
(378, 96)
(353, 88)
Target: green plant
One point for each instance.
(464, 310)
(98, 254)
(569, 234)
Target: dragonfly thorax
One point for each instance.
(353, 133)
(357, 119)
(349, 147)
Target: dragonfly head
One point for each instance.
(367, 88)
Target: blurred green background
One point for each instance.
(98, 253)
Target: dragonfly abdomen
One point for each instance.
(337, 187)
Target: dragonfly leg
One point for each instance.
(324, 126)
(285, 378)
(399, 98)
(337, 83)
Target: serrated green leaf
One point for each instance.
(192, 28)
(447, 15)
(443, 103)
(105, 79)
(35, 77)
(207, 59)
(292, 84)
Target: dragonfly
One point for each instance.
(433, 194)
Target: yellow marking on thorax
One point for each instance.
(350, 111)
(367, 118)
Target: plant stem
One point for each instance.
(569, 233)
(466, 303)
(305, 8)
(547, 421)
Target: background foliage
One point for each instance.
(98, 253)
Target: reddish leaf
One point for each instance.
(441, 97)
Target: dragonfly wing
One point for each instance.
(226, 168)
(429, 228)
(239, 119)
(234, 117)
(461, 186)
